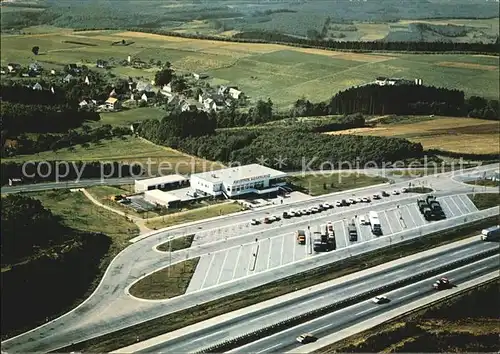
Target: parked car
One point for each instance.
(376, 196)
(329, 225)
(365, 200)
(358, 200)
(306, 212)
(267, 221)
(321, 207)
(384, 194)
(395, 192)
(306, 338)
(254, 222)
(381, 299)
(315, 210)
(285, 215)
(338, 203)
(328, 205)
(404, 190)
(291, 213)
(351, 201)
(363, 220)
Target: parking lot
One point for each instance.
(273, 249)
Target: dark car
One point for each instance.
(384, 194)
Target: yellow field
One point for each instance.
(462, 135)
(467, 65)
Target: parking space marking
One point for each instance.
(261, 263)
(413, 209)
(459, 211)
(393, 218)
(215, 269)
(229, 267)
(408, 217)
(275, 255)
(294, 248)
(269, 253)
(222, 268)
(288, 253)
(340, 238)
(443, 201)
(239, 264)
(208, 271)
(467, 201)
(465, 208)
(282, 248)
(384, 222)
(199, 274)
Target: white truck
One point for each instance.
(375, 223)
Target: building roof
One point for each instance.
(111, 100)
(161, 195)
(239, 174)
(161, 180)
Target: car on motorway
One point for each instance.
(254, 222)
(395, 192)
(441, 284)
(384, 194)
(381, 299)
(376, 196)
(306, 338)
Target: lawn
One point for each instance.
(317, 184)
(280, 72)
(485, 183)
(176, 244)
(127, 117)
(132, 150)
(461, 135)
(80, 213)
(485, 200)
(194, 215)
(166, 283)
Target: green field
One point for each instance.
(127, 117)
(282, 73)
(126, 150)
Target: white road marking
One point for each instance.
(282, 249)
(388, 222)
(448, 207)
(269, 253)
(274, 346)
(320, 328)
(208, 335)
(344, 228)
(365, 311)
(258, 318)
(294, 248)
(411, 217)
(237, 261)
(478, 270)
(404, 297)
(467, 209)
(222, 268)
(458, 208)
(208, 270)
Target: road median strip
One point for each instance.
(308, 316)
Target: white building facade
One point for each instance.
(236, 181)
(164, 182)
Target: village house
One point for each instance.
(234, 93)
(200, 76)
(144, 87)
(147, 96)
(37, 87)
(191, 105)
(112, 103)
(13, 67)
(68, 78)
(103, 64)
(73, 68)
(53, 72)
(35, 67)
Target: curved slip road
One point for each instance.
(109, 308)
(249, 322)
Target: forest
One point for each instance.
(40, 257)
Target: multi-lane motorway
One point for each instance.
(110, 307)
(338, 291)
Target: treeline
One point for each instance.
(25, 145)
(24, 118)
(40, 257)
(49, 171)
(353, 46)
(402, 100)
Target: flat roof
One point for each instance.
(161, 180)
(241, 174)
(161, 195)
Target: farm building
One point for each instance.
(237, 181)
(164, 182)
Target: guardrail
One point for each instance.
(297, 320)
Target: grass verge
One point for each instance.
(180, 319)
(176, 244)
(485, 183)
(465, 323)
(485, 200)
(166, 283)
(330, 183)
(194, 215)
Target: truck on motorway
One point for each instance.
(491, 233)
(374, 223)
(353, 232)
(301, 237)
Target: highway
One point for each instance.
(256, 320)
(344, 318)
(110, 308)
